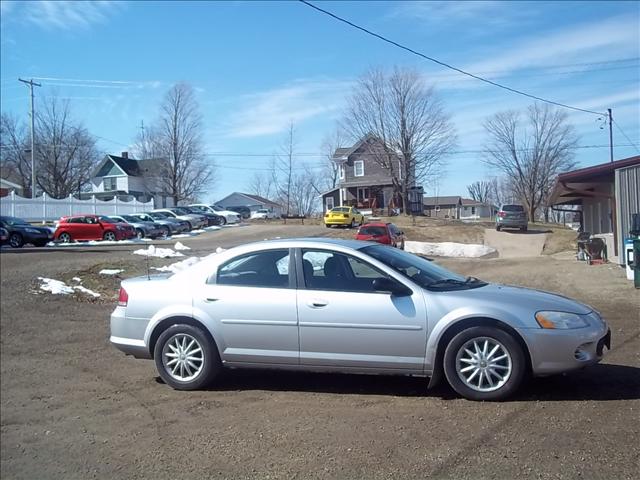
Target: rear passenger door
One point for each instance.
(252, 300)
(344, 322)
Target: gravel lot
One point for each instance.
(74, 407)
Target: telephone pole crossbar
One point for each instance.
(32, 84)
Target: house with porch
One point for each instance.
(363, 181)
(126, 178)
(609, 197)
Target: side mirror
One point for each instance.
(384, 284)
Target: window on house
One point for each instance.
(341, 172)
(358, 168)
(473, 210)
(110, 184)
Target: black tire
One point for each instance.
(515, 361)
(523, 229)
(65, 237)
(166, 232)
(139, 233)
(189, 227)
(40, 244)
(109, 237)
(498, 227)
(16, 240)
(211, 366)
(327, 225)
(223, 221)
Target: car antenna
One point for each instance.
(148, 275)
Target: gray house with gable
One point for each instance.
(124, 177)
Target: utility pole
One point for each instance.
(31, 84)
(610, 134)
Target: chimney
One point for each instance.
(125, 155)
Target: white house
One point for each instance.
(472, 210)
(122, 176)
(250, 201)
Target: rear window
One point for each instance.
(513, 208)
(340, 209)
(372, 231)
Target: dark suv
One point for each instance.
(244, 212)
(511, 216)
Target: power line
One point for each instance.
(625, 136)
(434, 60)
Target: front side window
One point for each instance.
(267, 269)
(358, 168)
(325, 270)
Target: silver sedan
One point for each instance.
(350, 306)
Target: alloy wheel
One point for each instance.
(110, 236)
(183, 357)
(483, 364)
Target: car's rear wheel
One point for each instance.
(16, 240)
(185, 358)
(109, 236)
(139, 233)
(484, 363)
(327, 225)
(65, 237)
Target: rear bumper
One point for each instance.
(508, 222)
(337, 221)
(127, 334)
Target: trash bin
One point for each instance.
(629, 258)
(636, 262)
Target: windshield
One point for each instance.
(198, 208)
(376, 231)
(421, 271)
(180, 210)
(13, 221)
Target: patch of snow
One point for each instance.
(180, 246)
(58, 287)
(220, 250)
(178, 266)
(198, 231)
(86, 290)
(55, 286)
(113, 271)
(448, 249)
(182, 235)
(158, 252)
(77, 279)
(212, 228)
(93, 243)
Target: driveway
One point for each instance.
(515, 244)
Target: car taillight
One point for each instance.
(502, 214)
(123, 298)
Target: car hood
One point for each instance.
(513, 298)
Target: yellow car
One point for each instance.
(349, 216)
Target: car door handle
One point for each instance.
(210, 299)
(317, 303)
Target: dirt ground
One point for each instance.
(74, 407)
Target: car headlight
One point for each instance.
(31, 230)
(560, 320)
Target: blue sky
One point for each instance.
(256, 66)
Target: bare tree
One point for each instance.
(264, 183)
(331, 170)
(304, 191)
(177, 139)
(284, 167)
(409, 120)
(15, 161)
(532, 154)
(65, 152)
(480, 191)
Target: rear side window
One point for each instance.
(76, 220)
(267, 269)
(513, 208)
(373, 231)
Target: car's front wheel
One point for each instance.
(223, 221)
(65, 237)
(139, 233)
(484, 363)
(165, 232)
(185, 358)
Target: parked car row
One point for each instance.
(160, 223)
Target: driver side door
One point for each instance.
(344, 322)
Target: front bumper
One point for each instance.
(558, 351)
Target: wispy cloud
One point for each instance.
(270, 112)
(61, 15)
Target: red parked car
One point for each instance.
(386, 233)
(92, 227)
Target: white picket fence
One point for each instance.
(44, 208)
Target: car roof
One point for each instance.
(312, 242)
